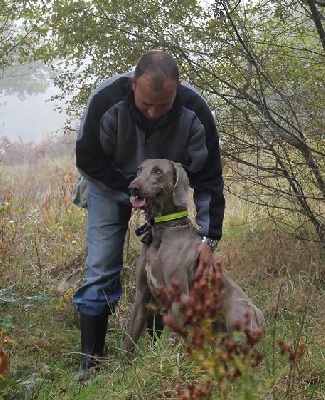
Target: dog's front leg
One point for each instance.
(139, 312)
(137, 320)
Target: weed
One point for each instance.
(219, 359)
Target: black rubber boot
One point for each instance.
(155, 325)
(93, 330)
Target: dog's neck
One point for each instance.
(154, 214)
(177, 219)
(165, 211)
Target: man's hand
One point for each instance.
(206, 259)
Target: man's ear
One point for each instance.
(133, 81)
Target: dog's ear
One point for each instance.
(181, 186)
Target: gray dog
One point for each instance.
(161, 188)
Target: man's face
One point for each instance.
(153, 104)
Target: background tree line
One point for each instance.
(260, 65)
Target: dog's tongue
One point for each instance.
(138, 202)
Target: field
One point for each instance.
(42, 259)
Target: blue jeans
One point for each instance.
(106, 230)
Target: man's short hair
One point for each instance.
(159, 65)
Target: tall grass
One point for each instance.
(42, 241)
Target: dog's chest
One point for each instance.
(172, 255)
(155, 267)
(153, 279)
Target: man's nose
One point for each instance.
(153, 113)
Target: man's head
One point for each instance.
(155, 83)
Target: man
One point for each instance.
(147, 113)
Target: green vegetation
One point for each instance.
(260, 65)
(42, 242)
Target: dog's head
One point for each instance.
(161, 187)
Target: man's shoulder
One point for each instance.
(192, 98)
(117, 79)
(186, 87)
(110, 91)
(119, 83)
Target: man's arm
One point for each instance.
(208, 196)
(91, 160)
(207, 181)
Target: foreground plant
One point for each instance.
(225, 366)
(220, 359)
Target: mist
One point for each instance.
(26, 111)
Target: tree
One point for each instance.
(22, 42)
(22, 33)
(275, 91)
(260, 65)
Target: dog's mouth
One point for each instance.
(141, 202)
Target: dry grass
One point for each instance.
(42, 240)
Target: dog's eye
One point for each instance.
(157, 171)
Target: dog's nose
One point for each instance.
(135, 187)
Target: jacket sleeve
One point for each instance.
(91, 160)
(207, 182)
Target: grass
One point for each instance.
(42, 240)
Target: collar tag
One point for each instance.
(171, 217)
(142, 230)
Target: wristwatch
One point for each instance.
(211, 242)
